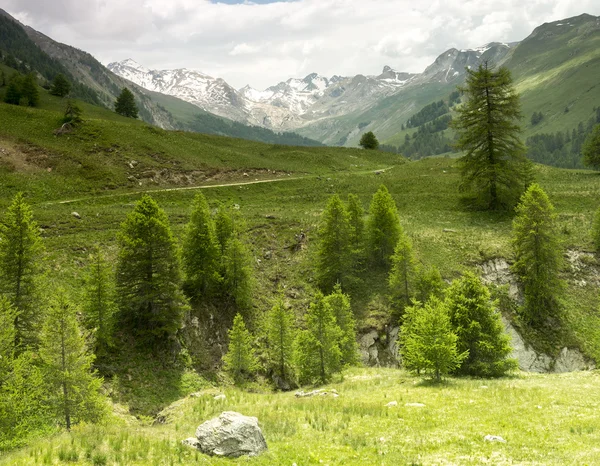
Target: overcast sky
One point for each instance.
(263, 42)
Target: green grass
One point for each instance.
(545, 419)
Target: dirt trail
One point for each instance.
(208, 186)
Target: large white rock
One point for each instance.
(231, 434)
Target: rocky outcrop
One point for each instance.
(379, 348)
(230, 435)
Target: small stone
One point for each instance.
(494, 438)
(392, 403)
(220, 397)
(415, 405)
(191, 442)
(484, 387)
(76, 215)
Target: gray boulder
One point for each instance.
(232, 435)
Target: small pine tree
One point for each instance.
(280, 335)
(240, 360)
(72, 113)
(20, 251)
(334, 255)
(238, 276)
(125, 104)
(428, 343)
(60, 86)
(596, 231)
(13, 90)
(429, 283)
(477, 324)
(29, 90)
(317, 353)
(538, 256)
(401, 279)
(73, 389)
(356, 214)
(344, 318)
(591, 149)
(369, 141)
(148, 282)
(99, 301)
(201, 252)
(383, 227)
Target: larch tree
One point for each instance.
(60, 86)
(225, 225)
(280, 336)
(150, 301)
(73, 389)
(427, 341)
(356, 217)
(591, 149)
(238, 274)
(478, 326)
(20, 252)
(334, 259)
(201, 252)
(317, 353)
(538, 255)
(383, 227)
(428, 283)
(494, 168)
(344, 318)
(240, 359)
(30, 94)
(402, 276)
(125, 104)
(7, 338)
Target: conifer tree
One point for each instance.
(317, 352)
(401, 279)
(429, 283)
(201, 252)
(334, 260)
(7, 339)
(238, 274)
(356, 214)
(73, 389)
(596, 230)
(591, 149)
(224, 225)
(13, 90)
(125, 104)
(99, 302)
(280, 335)
(428, 343)
(369, 141)
(383, 227)
(240, 359)
(148, 283)
(494, 167)
(477, 324)
(29, 90)
(20, 251)
(538, 256)
(60, 86)
(344, 318)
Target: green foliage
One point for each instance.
(73, 390)
(538, 254)
(334, 257)
(317, 353)
(99, 301)
(125, 104)
(591, 149)
(428, 343)
(596, 230)
(20, 251)
(238, 274)
(536, 117)
(344, 318)
(383, 227)
(150, 301)
(60, 86)
(240, 359)
(402, 275)
(225, 225)
(201, 252)
(280, 337)
(428, 283)
(428, 113)
(356, 214)
(477, 324)
(494, 168)
(22, 90)
(369, 141)
(7, 338)
(72, 113)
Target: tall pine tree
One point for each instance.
(280, 335)
(401, 279)
(20, 251)
(494, 167)
(356, 214)
(383, 227)
(238, 276)
(125, 104)
(538, 254)
(344, 318)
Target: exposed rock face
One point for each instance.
(380, 348)
(232, 435)
(497, 272)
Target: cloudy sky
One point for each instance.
(264, 41)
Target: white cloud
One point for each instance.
(262, 44)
